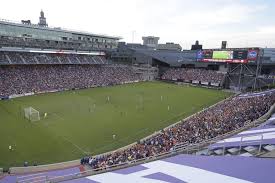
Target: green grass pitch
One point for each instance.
(84, 121)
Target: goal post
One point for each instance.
(31, 114)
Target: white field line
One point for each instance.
(75, 145)
(66, 139)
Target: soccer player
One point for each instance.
(45, 115)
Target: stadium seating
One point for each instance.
(40, 78)
(74, 59)
(29, 58)
(252, 142)
(16, 58)
(197, 75)
(222, 118)
(46, 44)
(3, 59)
(8, 58)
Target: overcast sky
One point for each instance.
(242, 23)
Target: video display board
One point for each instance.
(252, 54)
(228, 56)
(240, 54)
(222, 55)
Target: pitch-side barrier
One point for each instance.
(178, 149)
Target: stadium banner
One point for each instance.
(215, 84)
(4, 97)
(21, 95)
(54, 91)
(256, 94)
(128, 82)
(49, 91)
(29, 94)
(187, 81)
(205, 83)
(16, 96)
(195, 82)
(93, 86)
(252, 54)
(226, 60)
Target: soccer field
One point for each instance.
(84, 121)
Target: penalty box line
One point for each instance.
(66, 139)
(76, 146)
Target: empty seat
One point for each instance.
(246, 154)
(269, 147)
(251, 149)
(219, 151)
(233, 150)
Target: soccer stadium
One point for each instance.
(87, 108)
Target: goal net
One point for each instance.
(31, 114)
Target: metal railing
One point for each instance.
(178, 149)
(244, 142)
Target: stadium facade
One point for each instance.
(242, 72)
(26, 34)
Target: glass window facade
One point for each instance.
(54, 34)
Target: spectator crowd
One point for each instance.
(224, 117)
(23, 42)
(22, 79)
(11, 57)
(187, 74)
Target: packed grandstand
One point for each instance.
(43, 78)
(32, 67)
(201, 75)
(227, 116)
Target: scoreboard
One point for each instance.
(241, 55)
(228, 56)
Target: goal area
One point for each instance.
(31, 114)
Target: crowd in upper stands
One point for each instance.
(187, 74)
(39, 78)
(226, 116)
(52, 58)
(24, 42)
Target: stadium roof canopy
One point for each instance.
(173, 58)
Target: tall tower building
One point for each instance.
(224, 44)
(150, 41)
(42, 20)
(196, 46)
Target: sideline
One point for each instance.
(63, 165)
